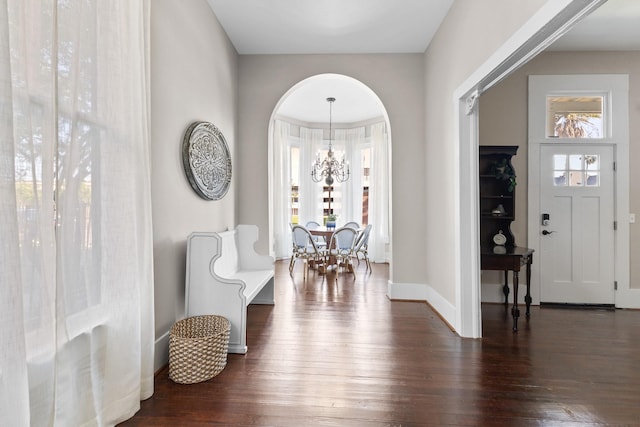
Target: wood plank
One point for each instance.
(337, 352)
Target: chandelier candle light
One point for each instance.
(330, 168)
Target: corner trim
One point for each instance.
(423, 292)
(161, 352)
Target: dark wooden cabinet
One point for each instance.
(497, 193)
(497, 212)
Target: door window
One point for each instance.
(576, 170)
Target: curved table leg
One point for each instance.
(527, 297)
(515, 311)
(505, 288)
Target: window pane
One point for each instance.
(331, 199)
(575, 116)
(592, 162)
(77, 205)
(366, 168)
(559, 179)
(593, 179)
(576, 179)
(559, 161)
(575, 162)
(295, 181)
(592, 168)
(295, 166)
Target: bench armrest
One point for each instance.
(248, 258)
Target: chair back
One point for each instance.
(343, 239)
(363, 239)
(303, 240)
(299, 236)
(320, 241)
(312, 225)
(352, 224)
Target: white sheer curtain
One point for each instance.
(281, 189)
(350, 142)
(76, 306)
(311, 141)
(379, 193)
(347, 141)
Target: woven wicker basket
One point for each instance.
(198, 348)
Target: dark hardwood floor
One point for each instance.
(334, 352)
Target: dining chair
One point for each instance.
(320, 241)
(340, 249)
(352, 224)
(305, 248)
(362, 246)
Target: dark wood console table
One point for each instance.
(512, 259)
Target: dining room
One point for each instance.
(330, 162)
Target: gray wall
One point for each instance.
(470, 34)
(398, 82)
(193, 77)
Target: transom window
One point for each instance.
(575, 117)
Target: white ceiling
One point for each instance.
(354, 101)
(378, 26)
(330, 26)
(613, 26)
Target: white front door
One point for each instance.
(578, 130)
(577, 224)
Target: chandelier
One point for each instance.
(329, 168)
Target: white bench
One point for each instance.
(224, 274)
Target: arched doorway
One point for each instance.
(298, 129)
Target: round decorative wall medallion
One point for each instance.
(206, 160)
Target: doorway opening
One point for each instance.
(300, 130)
(551, 22)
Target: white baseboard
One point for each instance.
(406, 291)
(161, 356)
(422, 292)
(492, 293)
(628, 298)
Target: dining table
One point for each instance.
(327, 233)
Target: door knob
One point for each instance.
(547, 232)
